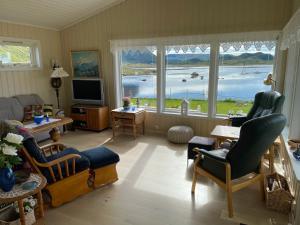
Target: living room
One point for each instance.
(147, 83)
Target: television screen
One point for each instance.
(90, 90)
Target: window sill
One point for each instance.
(190, 115)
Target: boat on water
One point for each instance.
(183, 80)
(194, 75)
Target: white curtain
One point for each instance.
(291, 32)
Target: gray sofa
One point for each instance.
(12, 108)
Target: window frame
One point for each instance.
(161, 43)
(35, 54)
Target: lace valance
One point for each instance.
(258, 45)
(199, 43)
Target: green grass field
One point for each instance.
(223, 107)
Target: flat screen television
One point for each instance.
(89, 91)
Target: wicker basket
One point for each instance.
(281, 198)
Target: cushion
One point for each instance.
(100, 157)
(31, 110)
(10, 109)
(213, 166)
(27, 100)
(199, 142)
(180, 134)
(48, 109)
(34, 150)
(82, 163)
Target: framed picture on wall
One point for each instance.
(85, 64)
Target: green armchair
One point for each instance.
(265, 103)
(244, 158)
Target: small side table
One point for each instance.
(18, 194)
(130, 118)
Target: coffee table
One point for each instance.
(52, 125)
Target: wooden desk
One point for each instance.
(128, 119)
(18, 194)
(53, 126)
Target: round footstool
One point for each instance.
(180, 134)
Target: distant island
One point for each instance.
(143, 63)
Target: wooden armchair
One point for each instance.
(67, 171)
(224, 166)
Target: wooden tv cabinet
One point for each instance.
(89, 117)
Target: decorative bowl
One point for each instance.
(38, 119)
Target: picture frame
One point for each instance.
(85, 64)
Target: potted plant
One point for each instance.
(8, 158)
(126, 103)
(28, 207)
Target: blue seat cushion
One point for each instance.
(100, 157)
(81, 164)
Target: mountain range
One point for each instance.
(200, 59)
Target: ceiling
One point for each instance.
(53, 14)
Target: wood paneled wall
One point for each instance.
(156, 18)
(35, 81)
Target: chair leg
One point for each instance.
(194, 181)
(229, 201)
(262, 188)
(229, 190)
(262, 179)
(271, 159)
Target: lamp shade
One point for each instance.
(59, 73)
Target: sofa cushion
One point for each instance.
(100, 157)
(82, 163)
(27, 100)
(10, 109)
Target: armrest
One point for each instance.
(57, 161)
(238, 121)
(219, 154)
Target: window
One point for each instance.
(19, 54)
(216, 77)
(139, 74)
(187, 77)
(243, 67)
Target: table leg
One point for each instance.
(134, 128)
(21, 212)
(271, 158)
(113, 126)
(40, 203)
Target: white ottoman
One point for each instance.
(180, 134)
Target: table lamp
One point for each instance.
(56, 82)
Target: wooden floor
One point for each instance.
(154, 189)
